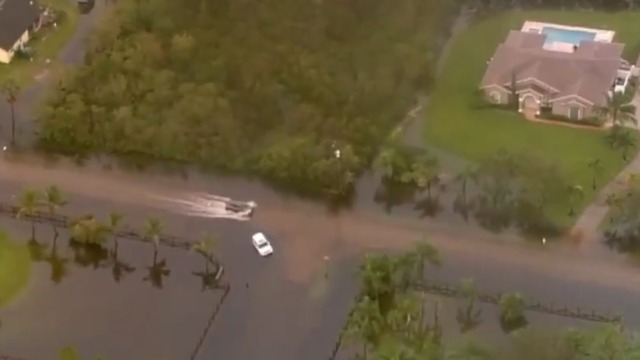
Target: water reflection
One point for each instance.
(157, 271)
(119, 268)
(57, 262)
(82, 289)
(98, 256)
(468, 316)
(492, 206)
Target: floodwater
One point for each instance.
(481, 325)
(117, 310)
(276, 314)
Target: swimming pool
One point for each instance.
(567, 36)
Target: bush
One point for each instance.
(546, 114)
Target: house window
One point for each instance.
(574, 112)
(495, 97)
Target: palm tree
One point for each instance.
(364, 326)
(463, 179)
(205, 248)
(118, 268)
(54, 199)
(152, 231)
(512, 307)
(28, 207)
(596, 171)
(468, 317)
(618, 109)
(10, 90)
(424, 254)
(576, 193)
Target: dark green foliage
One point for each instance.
(269, 88)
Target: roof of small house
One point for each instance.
(16, 16)
(588, 72)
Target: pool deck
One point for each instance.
(605, 36)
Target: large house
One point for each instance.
(564, 71)
(18, 18)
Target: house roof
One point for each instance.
(16, 16)
(588, 72)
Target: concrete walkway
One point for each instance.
(587, 225)
(412, 128)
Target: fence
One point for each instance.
(62, 221)
(494, 299)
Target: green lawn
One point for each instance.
(47, 44)
(15, 268)
(454, 125)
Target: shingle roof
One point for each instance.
(16, 16)
(588, 72)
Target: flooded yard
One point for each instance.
(480, 323)
(122, 303)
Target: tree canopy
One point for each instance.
(271, 88)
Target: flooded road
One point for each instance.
(287, 311)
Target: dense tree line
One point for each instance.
(300, 93)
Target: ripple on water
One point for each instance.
(74, 299)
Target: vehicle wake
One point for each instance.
(205, 205)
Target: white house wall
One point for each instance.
(6, 56)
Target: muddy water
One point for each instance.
(86, 306)
(486, 330)
(303, 235)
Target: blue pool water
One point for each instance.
(567, 36)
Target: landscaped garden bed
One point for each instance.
(455, 123)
